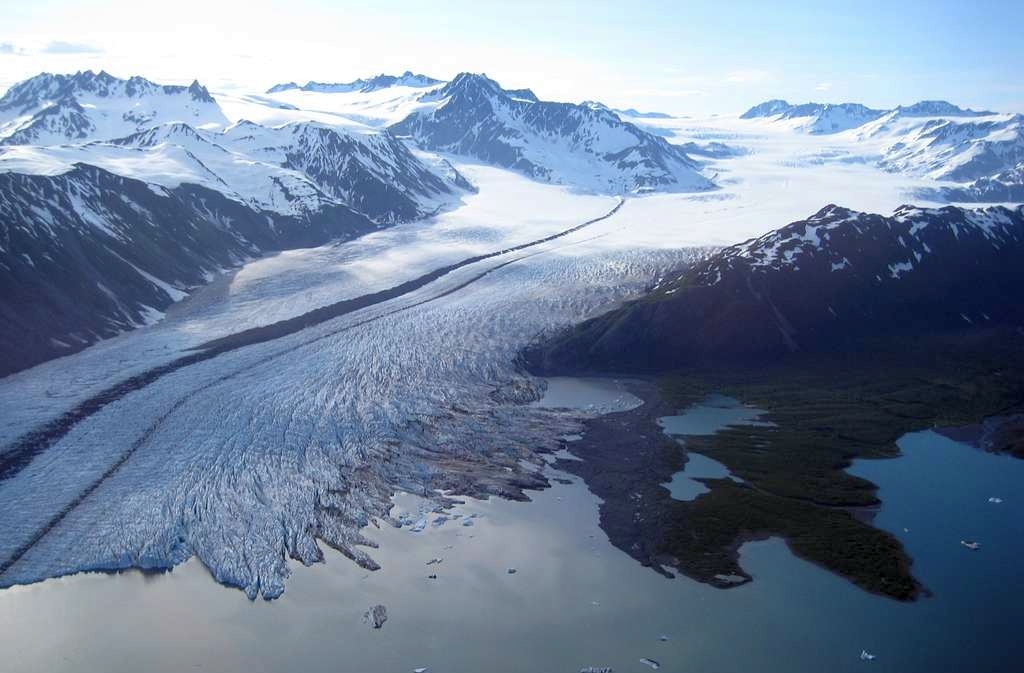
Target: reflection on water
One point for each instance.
(595, 395)
(709, 416)
(574, 601)
(684, 484)
(714, 413)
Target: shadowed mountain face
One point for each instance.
(830, 282)
(119, 195)
(100, 253)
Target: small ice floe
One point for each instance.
(376, 616)
(971, 544)
(994, 500)
(866, 656)
(511, 571)
(440, 521)
(663, 638)
(467, 522)
(435, 561)
(419, 526)
(597, 669)
(650, 662)
(421, 670)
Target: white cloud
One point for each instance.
(666, 93)
(824, 86)
(59, 47)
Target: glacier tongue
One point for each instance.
(248, 459)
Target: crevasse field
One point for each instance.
(252, 459)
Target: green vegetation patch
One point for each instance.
(826, 410)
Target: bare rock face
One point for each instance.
(376, 616)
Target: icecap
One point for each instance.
(378, 108)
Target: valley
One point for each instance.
(235, 340)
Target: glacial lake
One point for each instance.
(712, 414)
(574, 600)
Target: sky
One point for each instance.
(678, 57)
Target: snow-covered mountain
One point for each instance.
(956, 150)
(625, 112)
(817, 118)
(86, 254)
(579, 145)
(938, 108)
(407, 79)
(52, 109)
(175, 135)
(119, 195)
(373, 173)
(983, 151)
(826, 282)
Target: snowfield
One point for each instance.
(251, 459)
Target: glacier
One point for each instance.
(419, 394)
(252, 460)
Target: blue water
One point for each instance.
(574, 602)
(933, 496)
(938, 491)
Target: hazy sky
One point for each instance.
(679, 57)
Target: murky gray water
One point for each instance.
(684, 484)
(594, 395)
(574, 601)
(711, 415)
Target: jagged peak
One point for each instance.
(381, 81)
(468, 80)
(199, 92)
(49, 86)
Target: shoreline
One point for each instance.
(625, 457)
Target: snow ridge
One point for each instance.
(587, 147)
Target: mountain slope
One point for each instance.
(816, 118)
(949, 149)
(117, 196)
(820, 284)
(87, 254)
(53, 109)
(981, 150)
(570, 144)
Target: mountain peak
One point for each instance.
(938, 108)
(382, 81)
(466, 80)
(768, 108)
(199, 92)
